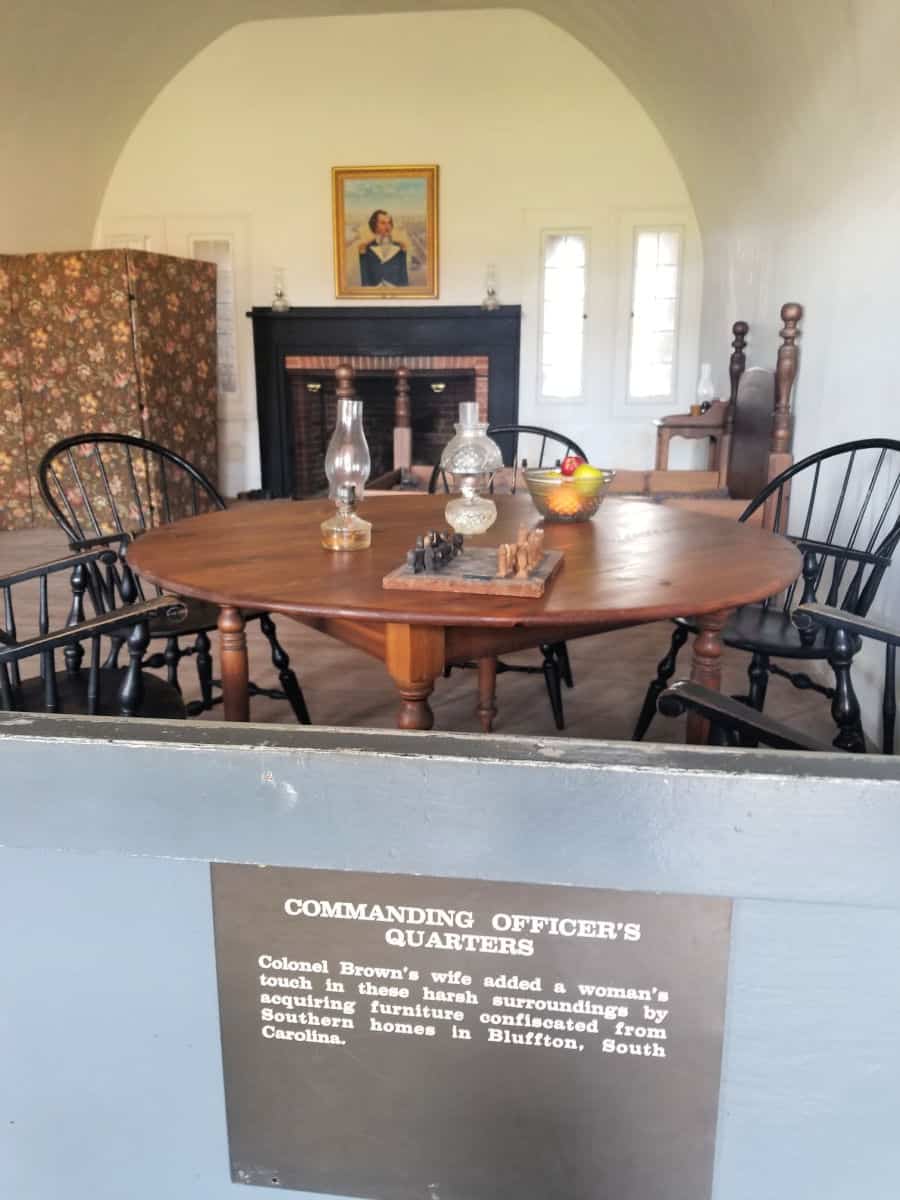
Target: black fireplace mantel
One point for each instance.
(406, 330)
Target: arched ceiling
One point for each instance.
(719, 78)
(724, 81)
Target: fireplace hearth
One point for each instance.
(435, 395)
(443, 355)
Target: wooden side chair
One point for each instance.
(750, 433)
(549, 449)
(733, 723)
(845, 519)
(98, 484)
(104, 688)
(711, 424)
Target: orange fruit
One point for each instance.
(564, 500)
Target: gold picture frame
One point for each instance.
(385, 232)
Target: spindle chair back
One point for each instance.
(102, 484)
(550, 449)
(104, 687)
(841, 508)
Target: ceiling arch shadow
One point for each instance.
(79, 82)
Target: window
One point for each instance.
(142, 232)
(218, 249)
(656, 286)
(564, 267)
(128, 241)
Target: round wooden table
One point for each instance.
(635, 562)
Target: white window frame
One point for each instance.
(629, 221)
(238, 436)
(637, 230)
(230, 395)
(131, 233)
(555, 231)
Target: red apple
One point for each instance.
(570, 464)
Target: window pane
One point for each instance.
(666, 282)
(654, 319)
(669, 247)
(221, 252)
(664, 314)
(563, 286)
(647, 254)
(564, 250)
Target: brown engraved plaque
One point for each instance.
(402, 1037)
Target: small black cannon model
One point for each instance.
(434, 550)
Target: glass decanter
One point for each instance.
(347, 459)
(470, 460)
(344, 530)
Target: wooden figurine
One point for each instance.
(522, 557)
(433, 551)
(416, 557)
(535, 548)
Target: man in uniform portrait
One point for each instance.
(383, 253)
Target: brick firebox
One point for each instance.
(437, 385)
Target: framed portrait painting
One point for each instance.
(385, 232)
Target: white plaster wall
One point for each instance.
(521, 118)
(822, 228)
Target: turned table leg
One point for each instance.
(487, 689)
(414, 656)
(706, 669)
(663, 437)
(235, 670)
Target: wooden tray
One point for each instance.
(475, 572)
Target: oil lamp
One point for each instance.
(347, 467)
(470, 460)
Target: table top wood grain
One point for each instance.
(634, 562)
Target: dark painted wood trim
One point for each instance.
(355, 329)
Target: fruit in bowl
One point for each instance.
(568, 497)
(570, 464)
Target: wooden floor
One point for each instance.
(345, 687)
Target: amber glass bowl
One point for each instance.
(561, 498)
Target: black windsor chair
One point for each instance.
(507, 438)
(845, 519)
(556, 667)
(104, 690)
(733, 723)
(96, 484)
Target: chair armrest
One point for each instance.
(722, 710)
(123, 618)
(713, 419)
(809, 615)
(826, 549)
(59, 564)
(109, 539)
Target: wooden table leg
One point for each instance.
(487, 691)
(706, 669)
(663, 437)
(414, 656)
(235, 670)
